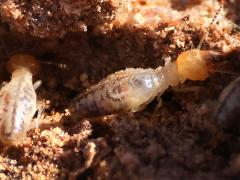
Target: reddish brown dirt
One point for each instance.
(181, 141)
(55, 18)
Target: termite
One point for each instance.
(18, 101)
(132, 89)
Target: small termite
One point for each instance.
(18, 102)
(131, 90)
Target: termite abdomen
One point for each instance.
(124, 91)
(228, 112)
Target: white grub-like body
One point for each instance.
(18, 101)
(132, 89)
(129, 90)
(17, 107)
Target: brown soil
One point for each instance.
(55, 18)
(181, 141)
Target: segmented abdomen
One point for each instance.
(17, 107)
(105, 98)
(123, 91)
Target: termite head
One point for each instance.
(23, 61)
(195, 65)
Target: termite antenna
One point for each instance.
(59, 65)
(221, 5)
(226, 72)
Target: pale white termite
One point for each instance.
(18, 102)
(131, 90)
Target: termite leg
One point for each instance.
(158, 106)
(37, 84)
(40, 110)
(4, 83)
(40, 107)
(38, 120)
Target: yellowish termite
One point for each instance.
(18, 101)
